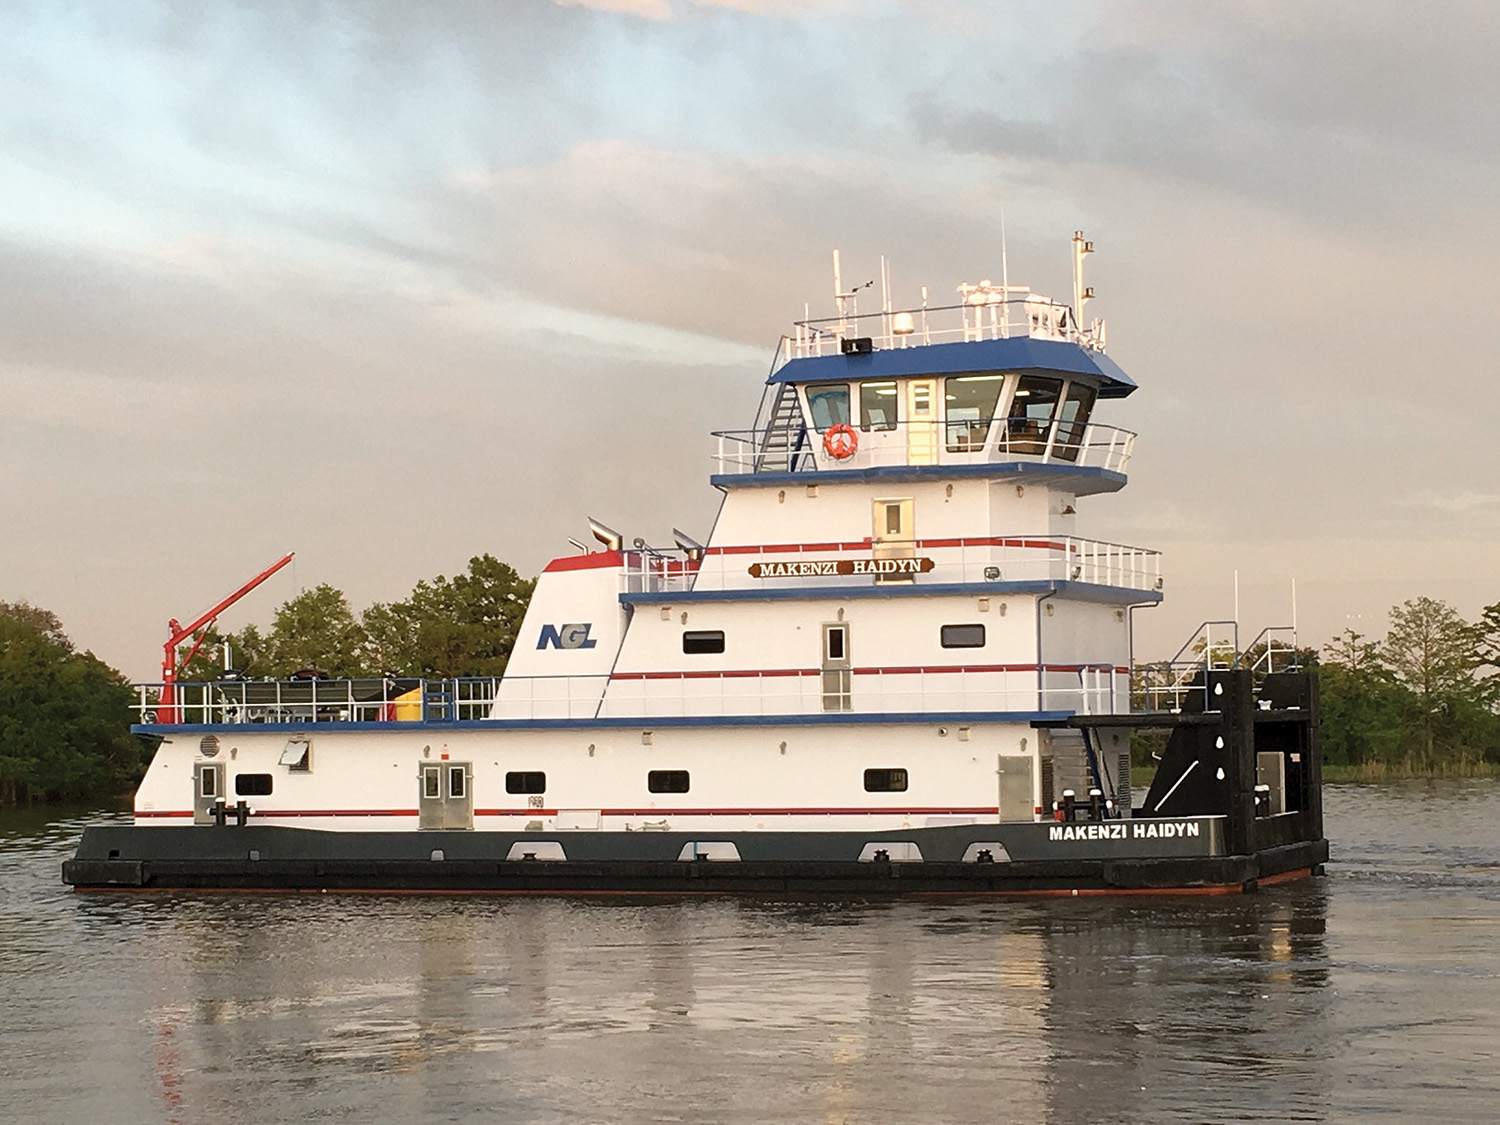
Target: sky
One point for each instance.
(394, 284)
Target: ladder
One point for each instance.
(786, 434)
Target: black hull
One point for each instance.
(297, 860)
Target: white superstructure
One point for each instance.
(895, 609)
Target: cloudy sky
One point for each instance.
(392, 284)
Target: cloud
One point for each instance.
(1335, 119)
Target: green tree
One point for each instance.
(1360, 703)
(315, 629)
(463, 626)
(64, 716)
(1487, 654)
(1430, 651)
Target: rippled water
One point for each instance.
(1374, 991)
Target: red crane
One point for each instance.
(166, 710)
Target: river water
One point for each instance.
(1371, 992)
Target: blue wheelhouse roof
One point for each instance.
(1016, 353)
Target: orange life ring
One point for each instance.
(840, 442)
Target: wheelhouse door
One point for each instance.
(445, 798)
(838, 668)
(208, 790)
(893, 533)
(1016, 793)
(921, 422)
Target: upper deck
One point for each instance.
(1006, 381)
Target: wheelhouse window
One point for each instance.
(829, 404)
(696, 641)
(963, 636)
(1073, 420)
(970, 402)
(667, 781)
(252, 784)
(885, 781)
(1031, 413)
(877, 406)
(526, 781)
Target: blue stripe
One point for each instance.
(1048, 472)
(627, 722)
(1018, 353)
(1081, 591)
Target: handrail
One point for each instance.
(954, 441)
(1014, 558)
(280, 702)
(986, 315)
(1095, 688)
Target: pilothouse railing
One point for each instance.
(793, 448)
(990, 313)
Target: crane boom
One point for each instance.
(167, 709)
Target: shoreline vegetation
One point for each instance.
(1422, 702)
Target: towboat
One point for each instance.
(894, 665)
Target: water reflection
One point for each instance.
(1305, 1002)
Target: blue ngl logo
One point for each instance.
(566, 636)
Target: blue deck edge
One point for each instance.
(626, 722)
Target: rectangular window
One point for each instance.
(1031, 413)
(829, 404)
(877, 406)
(526, 781)
(208, 782)
(969, 407)
(431, 788)
(885, 781)
(963, 636)
(696, 641)
(252, 784)
(836, 649)
(1073, 421)
(667, 781)
(893, 520)
(457, 781)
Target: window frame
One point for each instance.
(523, 781)
(890, 775)
(876, 386)
(253, 784)
(821, 390)
(945, 642)
(664, 781)
(703, 635)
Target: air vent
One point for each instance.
(209, 746)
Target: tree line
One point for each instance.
(1425, 698)
(65, 715)
(460, 626)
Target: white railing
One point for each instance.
(276, 702)
(1019, 558)
(984, 441)
(988, 314)
(1092, 689)
(1085, 689)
